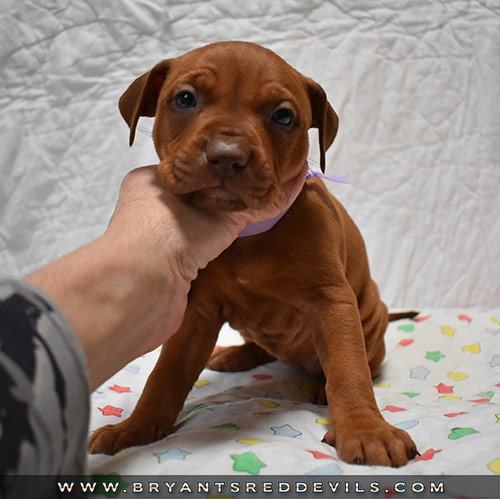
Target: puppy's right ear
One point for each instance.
(141, 97)
(324, 118)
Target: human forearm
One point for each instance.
(117, 308)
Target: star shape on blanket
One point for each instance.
(120, 389)
(458, 376)
(132, 369)
(392, 408)
(492, 331)
(320, 455)
(495, 466)
(172, 453)
(286, 431)
(455, 414)
(427, 455)
(226, 426)
(435, 356)
(457, 433)
(406, 425)
(448, 330)
(268, 404)
(247, 462)
(109, 410)
(495, 361)
(410, 394)
(407, 328)
(252, 441)
(406, 342)
(442, 388)
(474, 348)
(489, 394)
(419, 372)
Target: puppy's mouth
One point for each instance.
(200, 186)
(218, 198)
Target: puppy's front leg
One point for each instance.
(181, 360)
(358, 431)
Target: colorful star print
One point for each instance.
(320, 455)
(172, 453)
(268, 404)
(435, 356)
(109, 410)
(495, 361)
(120, 389)
(226, 426)
(427, 455)
(247, 462)
(447, 330)
(475, 348)
(251, 441)
(442, 388)
(457, 433)
(406, 425)
(132, 369)
(392, 408)
(406, 342)
(286, 431)
(419, 372)
(407, 328)
(410, 394)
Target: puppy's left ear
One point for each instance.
(141, 97)
(324, 119)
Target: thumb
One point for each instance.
(289, 192)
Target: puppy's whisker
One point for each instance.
(313, 162)
(148, 132)
(147, 125)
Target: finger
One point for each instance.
(291, 189)
(289, 192)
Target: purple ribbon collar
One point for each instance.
(258, 228)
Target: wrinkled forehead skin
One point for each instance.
(252, 75)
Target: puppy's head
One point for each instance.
(231, 123)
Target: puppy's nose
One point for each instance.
(227, 157)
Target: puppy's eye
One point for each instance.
(283, 116)
(185, 99)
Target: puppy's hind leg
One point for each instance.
(238, 358)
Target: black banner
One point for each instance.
(237, 486)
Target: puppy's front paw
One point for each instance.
(112, 438)
(371, 442)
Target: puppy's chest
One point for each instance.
(280, 326)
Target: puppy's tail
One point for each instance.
(395, 316)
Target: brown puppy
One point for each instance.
(231, 128)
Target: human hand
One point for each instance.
(184, 237)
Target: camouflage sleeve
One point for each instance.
(44, 388)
